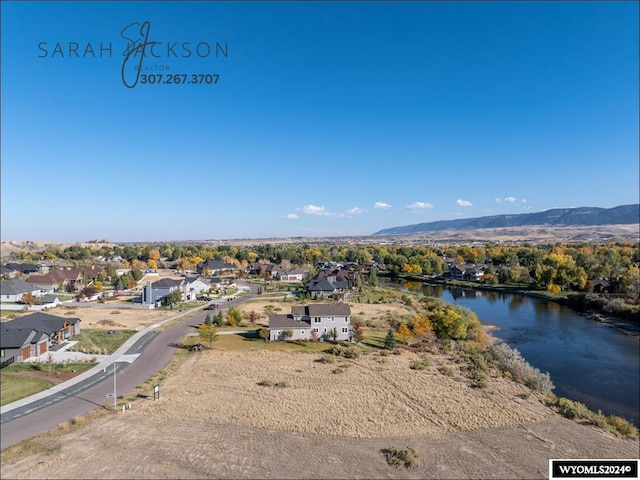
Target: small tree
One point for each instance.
(207, 319)
(174, 297)
(219, 320)
(27, 298)
(263, 333)
(208, 333)
(234, 317)
(358, 332)
(314, 335)
(390, 342)
(288, 333)
(253, 317)
(333, 334)
(404, 333)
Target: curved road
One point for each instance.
(154, 351)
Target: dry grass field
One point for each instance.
(330, 420)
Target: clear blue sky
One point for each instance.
(328, 118)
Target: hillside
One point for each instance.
(557, 217)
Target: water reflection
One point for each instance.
(588, 361)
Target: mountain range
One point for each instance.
(558, 217)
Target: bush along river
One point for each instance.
(589, 361)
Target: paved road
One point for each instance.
(150, 353)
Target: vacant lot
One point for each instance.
(217, 419)
(109, 319)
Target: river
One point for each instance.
(588, 361)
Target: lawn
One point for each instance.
(66, 367)
(14, 388)
(100, 341)
(374, 338)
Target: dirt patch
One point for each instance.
(108, 319)
(215, 420)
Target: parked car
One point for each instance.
(213, 306)
(197, 347)
(204, 298)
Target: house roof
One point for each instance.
(323, 285)
(322, 310)
(16, 286)
(196, 278)
(23, 267)
(19, 337)
(49, 298)
(213, 264)
(41, 322)
(56, 276)
(286, 321)
(167, 283)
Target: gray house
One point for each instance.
(20, 344)
(12, 290)
(157, 291)
(318, 318)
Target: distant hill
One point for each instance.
(582, 216)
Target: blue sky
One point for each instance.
(328, 118)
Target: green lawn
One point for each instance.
(24, 367)
(13, 387)
(374, 338)
(99, 342)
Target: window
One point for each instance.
(317, 320)
(302, 332)
(345, 330)
(325, 329)
(346, 320)
(315, 330)
(333, 319)
(2, 353)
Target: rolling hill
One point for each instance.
(564, 217)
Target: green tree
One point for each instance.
(390, 342)
(373, 277)
(234, 317)
(208, 333)
(219, 320)
(207, 320)
(174, 297)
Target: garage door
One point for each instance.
(43, 348)
(25, 353)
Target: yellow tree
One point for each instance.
(422, 328)
(404, 333)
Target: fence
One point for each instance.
(8, 361)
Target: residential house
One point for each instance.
(194, 286)
(50, 301)
(295, 275)
(23, 268)
(329, 284)
(465, 272)
(215, 267)
(320, 319)
(59, 279)
(157, 291)
(12, 290)
(21, 344)
(55, 329)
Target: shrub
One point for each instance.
(510, 360)
(570, 409)
(326, 359)
(446, 370)
(344, 351)
(266, 383)
(338, 370)
(621, 425)
(421, 364)
(402, 457)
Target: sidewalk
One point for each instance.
(106, 361)
(118, 356)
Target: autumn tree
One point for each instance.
(404, 333)
(358, 332)
(27, 298)
(422, 328)
(208, 333)
(253, 317)
(234, 317)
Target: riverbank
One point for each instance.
(584, 303)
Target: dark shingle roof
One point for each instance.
(18, 337)
(323, 285)
(41, 322)
(286, 321)
(166, 283)
(322, 310)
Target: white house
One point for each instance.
(11, 291)
(318, 318)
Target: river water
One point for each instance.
(588, 361)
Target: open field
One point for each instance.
(215, 420)
(110, 319)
